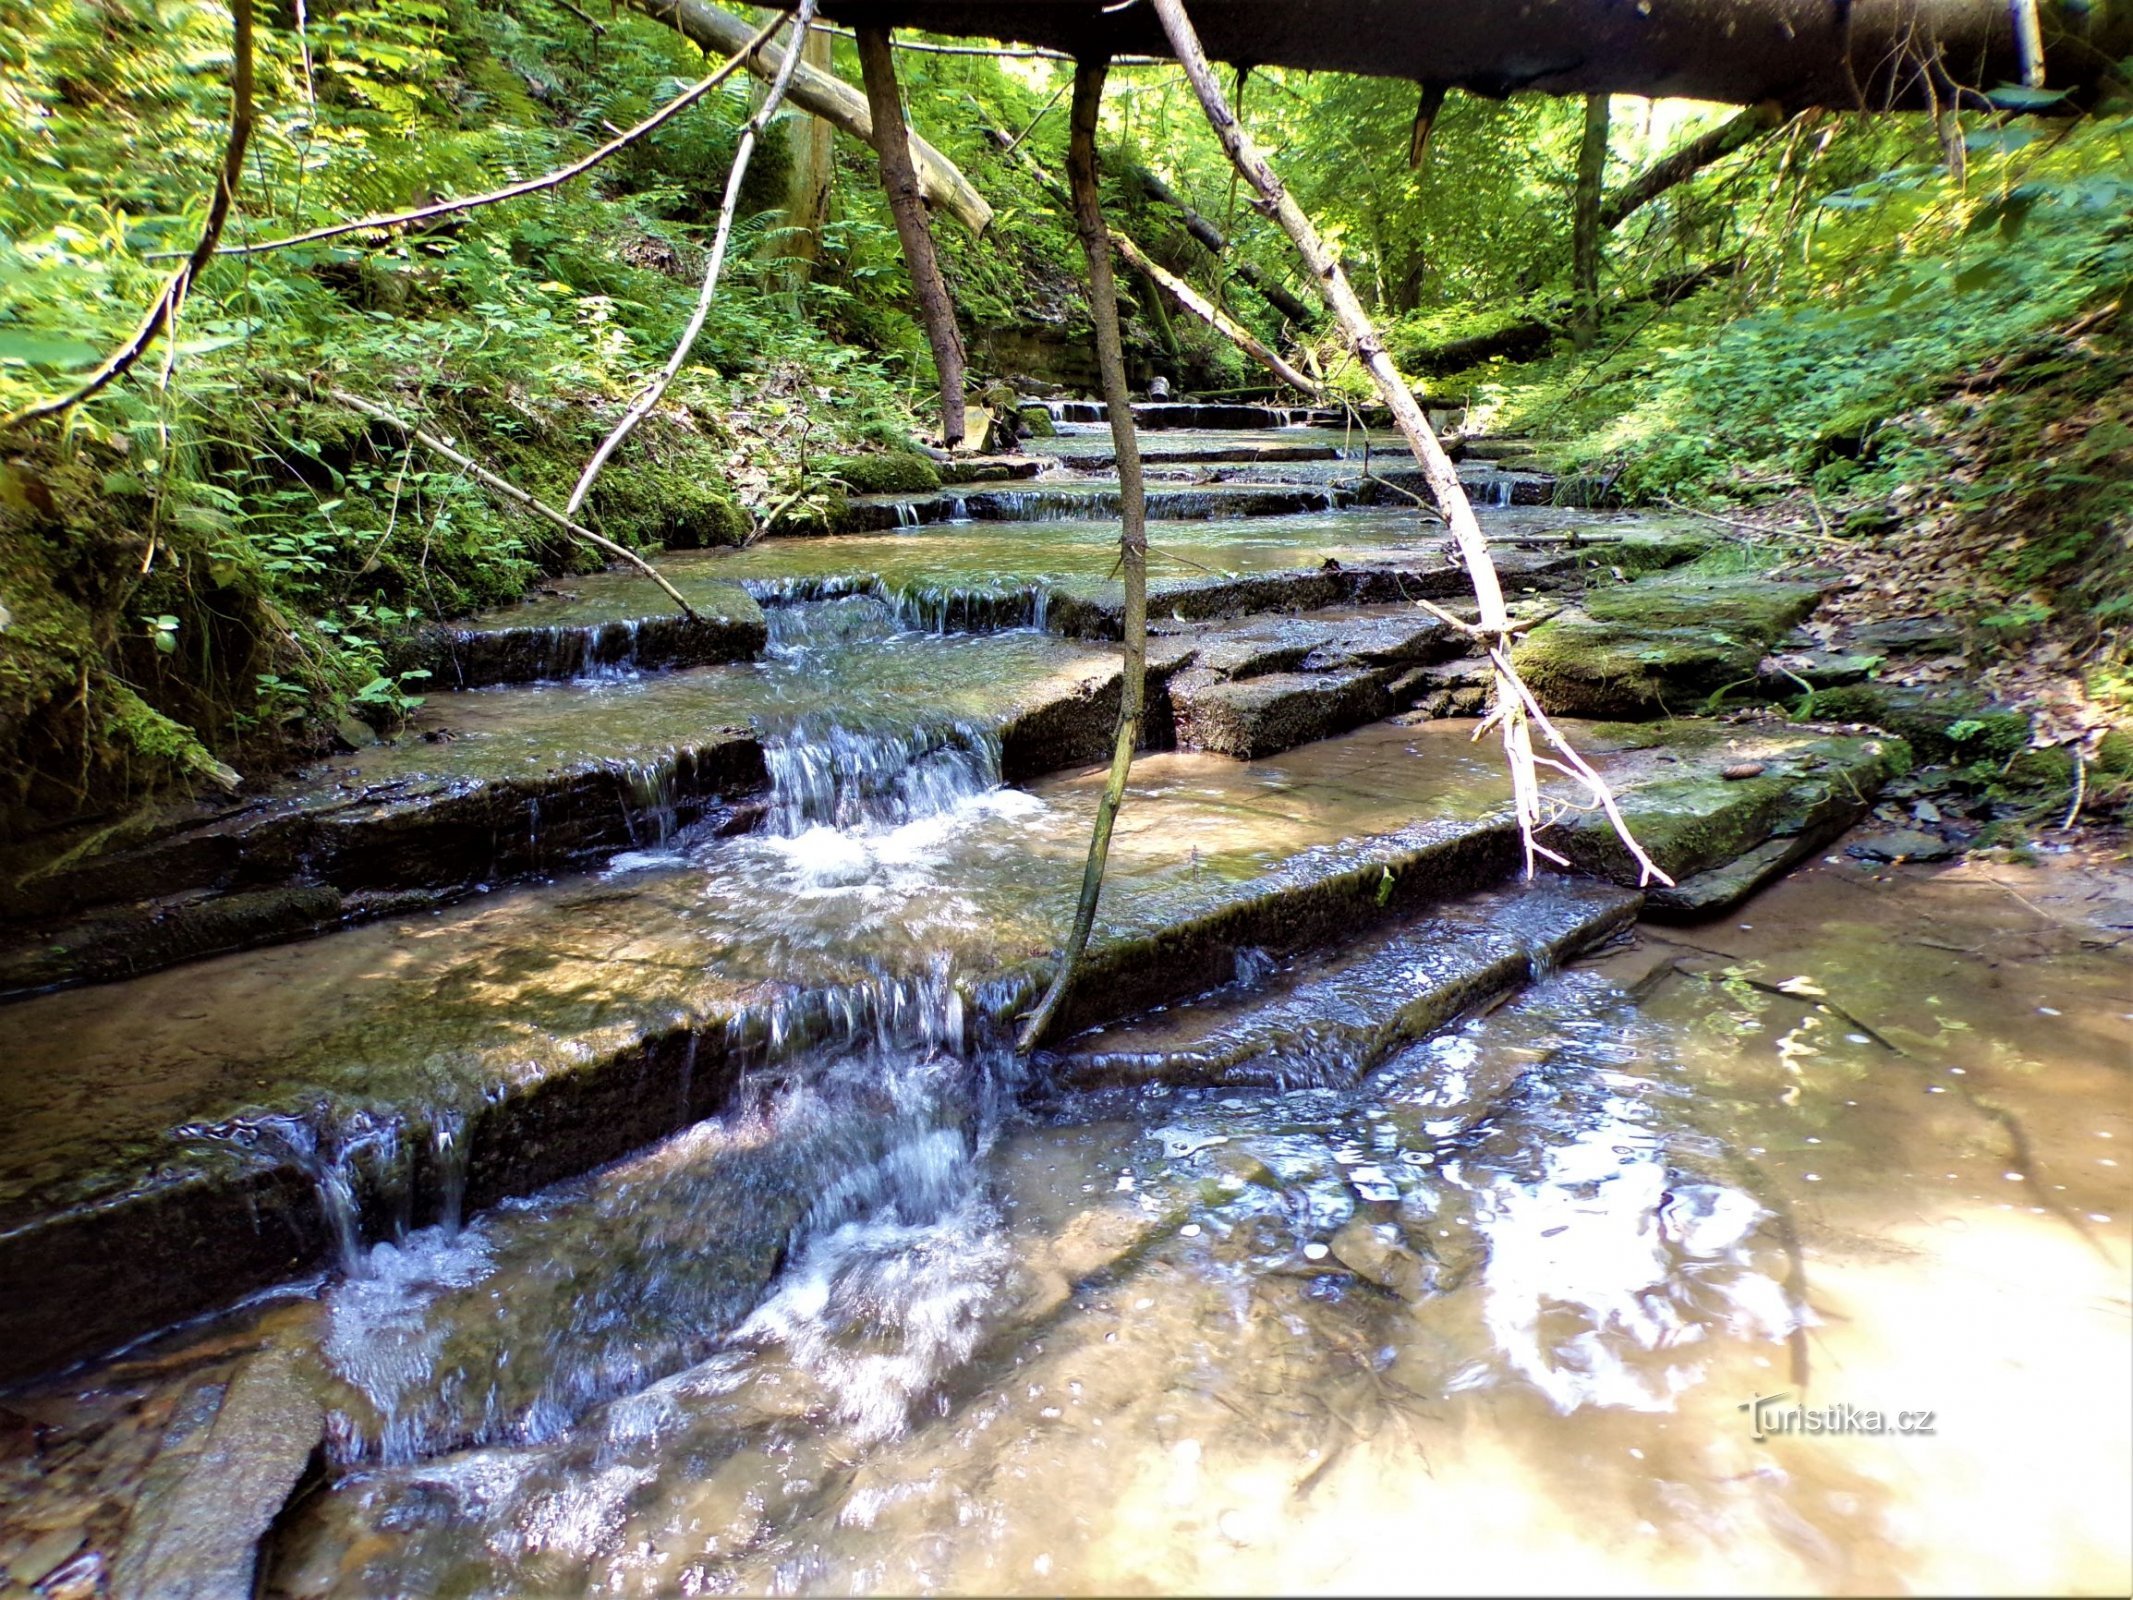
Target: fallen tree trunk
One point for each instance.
(1211, 314)
(899, 180)
(1217, 243)
(1683, 164)
(827, 96)
(1096, 243)
(1848, 54)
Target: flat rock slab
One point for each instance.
(489, 786)
(1722, 838)
(1331, 1017)
(1900, 844)
(197, 1537)
(547, 637)
(171, 1141)
(1660, 645)
(1262, 716)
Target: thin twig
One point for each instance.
(164, 310)
(653, 392)
(510, 491)
(446, 208)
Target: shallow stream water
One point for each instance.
(1788, 1252)
(1485, 1321)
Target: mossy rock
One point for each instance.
(1037, 422)
(1698, 821)
(671, 505)
(893, 472)
(1755, 610)
(1939, 728)
(2114, 753)
(1635, 555)
(2039, 772)
(1640, 649)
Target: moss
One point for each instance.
(131, 724)
(2031, 772)
(894, 472)
(1636, 555)
(1753, 609)
(1938, 728)
(2114, 753)
(1037, 420)
(1582, 667)
(681, 501)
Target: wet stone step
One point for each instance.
(972, 576)
(173, 1141)
(257, 1113)
(1097, 501)
(1328, 1018)
(540, 639)
(491, 785)
(1163, 414)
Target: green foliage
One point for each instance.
(256, 553)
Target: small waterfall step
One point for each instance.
(548, 636)
(1329, 1017)
(1167, 414)
(173, 1141)
(1096, 501)
(487, 786)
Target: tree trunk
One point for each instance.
(1133, 530)
(899, 176)
(1585, 224)
(807, 187)
(1683, 164)
(826, 95)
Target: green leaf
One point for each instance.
(19, 346)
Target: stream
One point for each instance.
(1787, 1251)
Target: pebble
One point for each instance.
(1191, 1230)
(1314, 1252)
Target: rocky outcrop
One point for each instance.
(1659, 646)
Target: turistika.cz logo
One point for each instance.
(1769, 1417)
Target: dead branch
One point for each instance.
(654, 391)
(1133, 532)
(1177, 288)
(164, 310)
(1218, 243)
(1515, 705)
(562, 175)
(510, 491)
